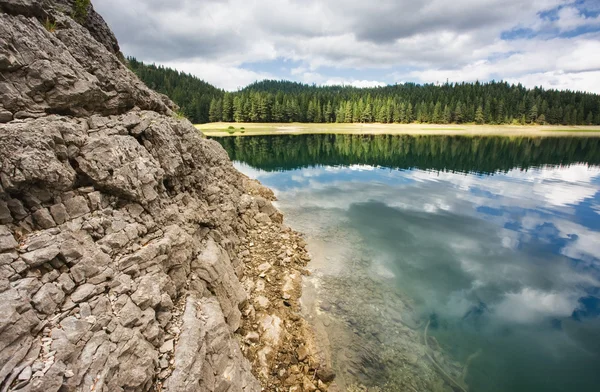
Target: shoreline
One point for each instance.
(265, 129)
(275, 336)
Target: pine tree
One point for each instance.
(409, 113)
(367, 112)
(349, 112)
(212, 111)
(458, 114)
(382, 115)
(437, 113)
(541, 119)
(533, 114)
(227, 107)
(447, 116)
(479, 119)
(311, 113)
(238, 109)
(328, 112)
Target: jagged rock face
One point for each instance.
(66, 71)
(119, 225)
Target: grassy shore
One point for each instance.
(255, 129)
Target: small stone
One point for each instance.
(37, 366)
(59, 213)
(40, 256)
(325, 374)
(252, 336)
(85, 309)
(308, 385)
(167, 346)
(261, 302)
(302, 353)
(25, 374)
(163, 363)
(43, 218)
(7, 241)
(83, 292)
(77, 206)
(47, 299)
(66, 283)
(69, 373)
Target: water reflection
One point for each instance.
(448, 153)
(504, 267)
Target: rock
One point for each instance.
(7, 241)
(167, 346)
(95, 199)
(25, 374)
(76, 207)
(302, 353)
(130, 314)
(5, 215)
(43, 218)
(59, 213)
(271, 328)
(261, 302)
(261, 217)
(48, 298)
(326, 374)
(148, 292)
(308, 385)
(40, 256)
(66, 283)
(252, 337)
(83, 292)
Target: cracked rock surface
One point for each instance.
(127, 240)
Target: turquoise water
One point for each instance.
(495, 243)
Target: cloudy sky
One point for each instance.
(230, 43)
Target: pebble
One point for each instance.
(302, 353)
(25, 374)
(252, 336)
(167, 346)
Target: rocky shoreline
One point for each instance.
(133, 256)
(276, 338)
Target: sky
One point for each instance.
(232, 43)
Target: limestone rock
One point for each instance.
(7, 241)
(120, 225)
(40, 256)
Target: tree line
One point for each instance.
(191, 94)
(285, 101)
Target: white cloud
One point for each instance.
(353, 82)
(226, 77)
(570, 18)
(398, 40)
(530, 305)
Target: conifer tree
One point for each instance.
(479, 119)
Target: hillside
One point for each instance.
(191, 94)
(285, 101)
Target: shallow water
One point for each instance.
(494, 243)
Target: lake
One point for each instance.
(445, 263)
